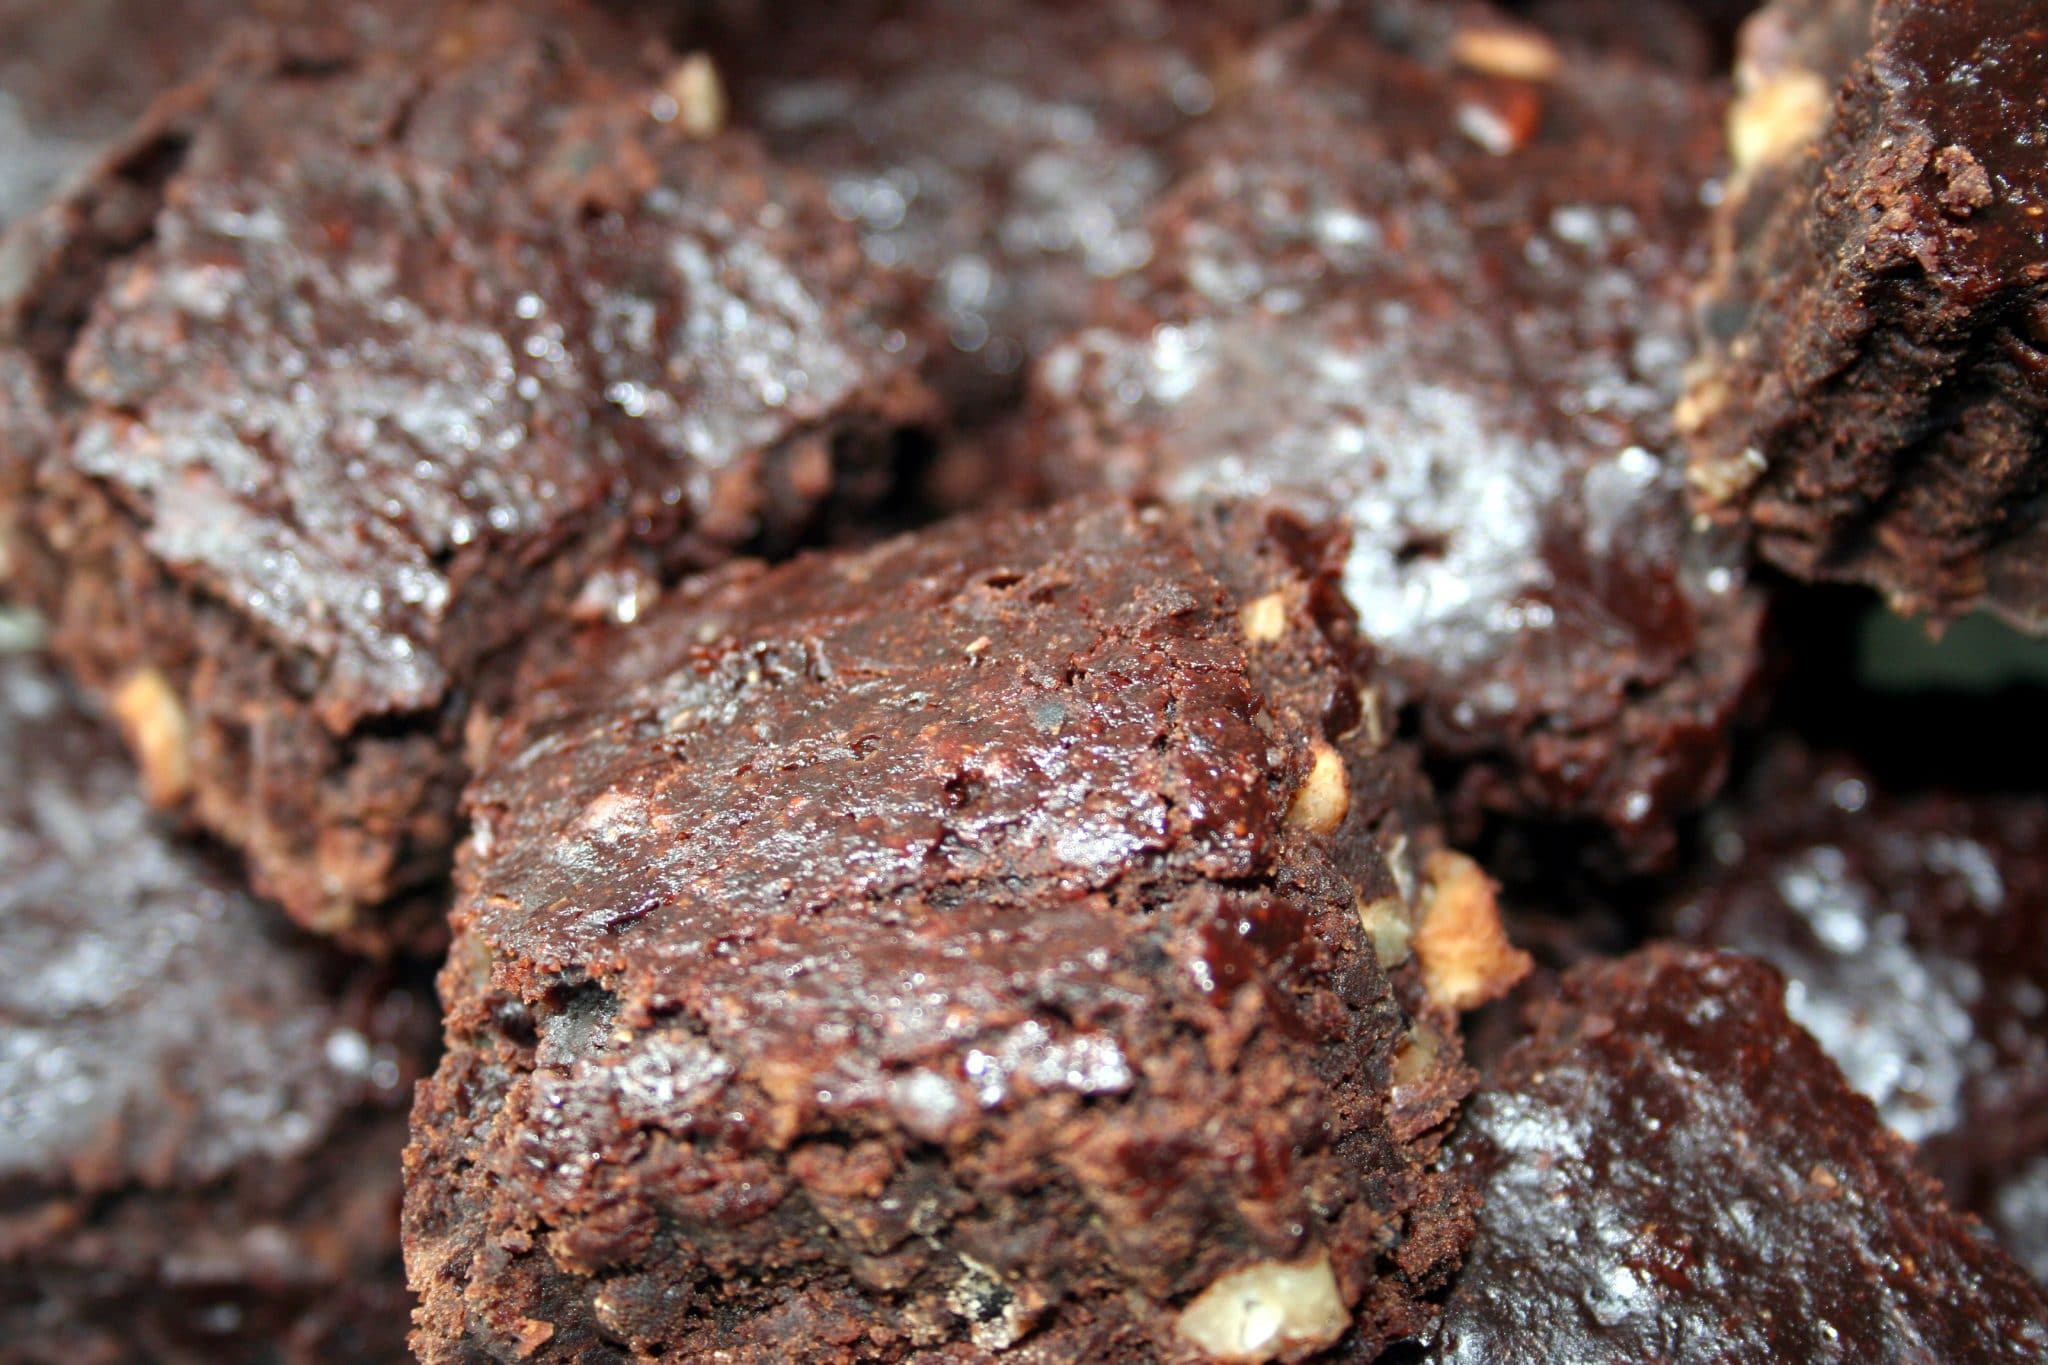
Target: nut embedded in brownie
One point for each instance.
(1673, 1170)
(1871, 398)
(1426, 271)
(352, 368)
(201, 1115)
(1914, 932)
(953, 947)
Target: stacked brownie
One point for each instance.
(1914, 933)
(1673, 1170)
(1041, 675)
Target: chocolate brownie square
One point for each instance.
(1427, 272)
(1871, 398)
(378, 348)
(950, 949)
(1913, 930)
(201, 1116)
(1673, 1170)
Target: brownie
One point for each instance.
(201, 1116)
(1009, 174)
(350, 369)
(1871, 397)
(950, 950)
(1428, 273)
(1913, 930)
(1674, 1171)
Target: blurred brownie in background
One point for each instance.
(201, 1114)
(351, 368)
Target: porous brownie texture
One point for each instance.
(1871, 397)
(955, 950)
(201, 1115)
(351, 368)
(1913, 930)
(1426, 272)
(1673, 1170)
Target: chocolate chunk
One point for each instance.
(938, 948)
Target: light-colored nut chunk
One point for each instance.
(1325, 795)
(1264, 618)
(1721, 481)
(1417, 1055)
(1776, 117)
(1264, 1310)
(153, 721)
(1387, 924)
(699, 95)
(1515, 53)
(1372, 719)
(1464, 949)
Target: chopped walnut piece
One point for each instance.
(1514, 53)
(699, 95)
(1266, 1310)
(1325, 795)
(1265, 618)
(1466, 957)
(1776, 117)
(152, 718)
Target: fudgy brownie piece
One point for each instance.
(1432, 280)
(1871, 397)
(352, 367)
(1914, 933)
(951, 949)
(200, 1117)
(1673, 1170)
(1006, 151)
